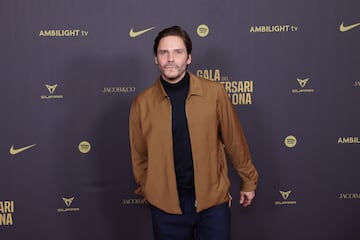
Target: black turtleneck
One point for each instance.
(181, 140)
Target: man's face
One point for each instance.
(172, 58)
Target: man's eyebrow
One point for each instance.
(175, 49)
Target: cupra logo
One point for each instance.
(285, 195)
(51, 88)
(68, 201)
(344, 28)
(302, 82)
(134, 34)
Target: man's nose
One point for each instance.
(171, 57)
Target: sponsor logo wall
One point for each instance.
(69, 71)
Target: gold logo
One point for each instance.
(84, 147)
(344, 28)
(51, 88)
(203, 30)
(134, 34)
(68, 201)
(290, 141)
(285, 195)
(14, 151)
(302, 82)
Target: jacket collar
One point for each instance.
(194, 88)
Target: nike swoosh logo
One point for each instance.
(133, 33)
(343, 28)
(14, 151)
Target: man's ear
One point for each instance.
(189, 59)
(156, 60)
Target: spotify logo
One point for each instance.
(84, 147)
(203, 30)
(290, 141)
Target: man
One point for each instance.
(180, 129)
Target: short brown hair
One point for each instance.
(173, 31)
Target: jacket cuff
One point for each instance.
(248, 186)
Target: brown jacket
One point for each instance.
(213, 127)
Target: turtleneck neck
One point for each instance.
(184, 82)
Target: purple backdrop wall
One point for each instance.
(69, 70)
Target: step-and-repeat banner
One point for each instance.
(70, 69)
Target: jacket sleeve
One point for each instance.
(137, 147)
(236, 146)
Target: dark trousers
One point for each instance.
(210, 224)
